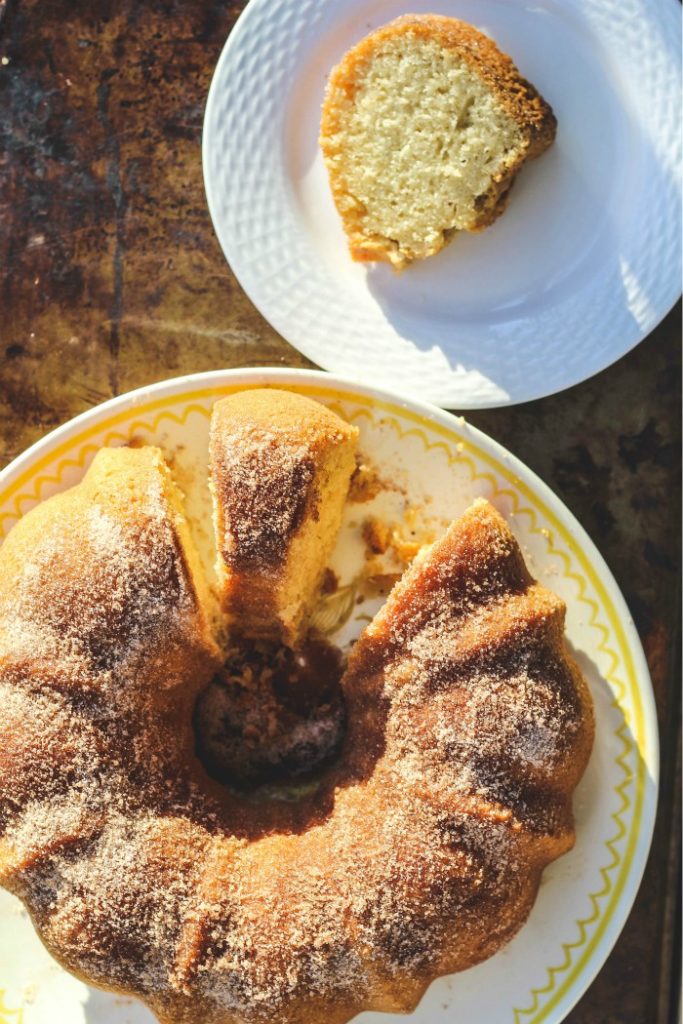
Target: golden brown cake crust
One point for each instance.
(265, 445)
(270, 456)
(420, 853)
(520, 99)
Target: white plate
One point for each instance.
(582, 266)
(586, 895)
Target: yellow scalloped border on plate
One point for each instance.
(8, 1016)
(615, 872)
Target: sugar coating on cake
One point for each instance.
(424, 127)
(281, 465)
(103, 614)
(144, 603)
(421, 850)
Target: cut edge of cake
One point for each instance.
(367, 187)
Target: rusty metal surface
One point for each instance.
(111, 278)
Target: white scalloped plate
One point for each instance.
(582, 266)
(443, 463)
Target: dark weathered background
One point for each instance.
(111, 278)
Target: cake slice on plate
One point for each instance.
(425, 125)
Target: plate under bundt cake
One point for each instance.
(419, 848)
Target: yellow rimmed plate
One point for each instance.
(440, 464)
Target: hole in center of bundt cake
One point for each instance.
(272, 715)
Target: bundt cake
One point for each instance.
(281, 466)
(425, 126)
(419, 852)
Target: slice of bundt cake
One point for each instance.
(280, 469)
(425, 125)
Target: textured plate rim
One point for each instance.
(566, 993)
(253, 284)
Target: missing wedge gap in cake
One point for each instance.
(272, 720)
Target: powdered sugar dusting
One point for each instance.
(419, 854)
(130, 614)
(263, 486)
